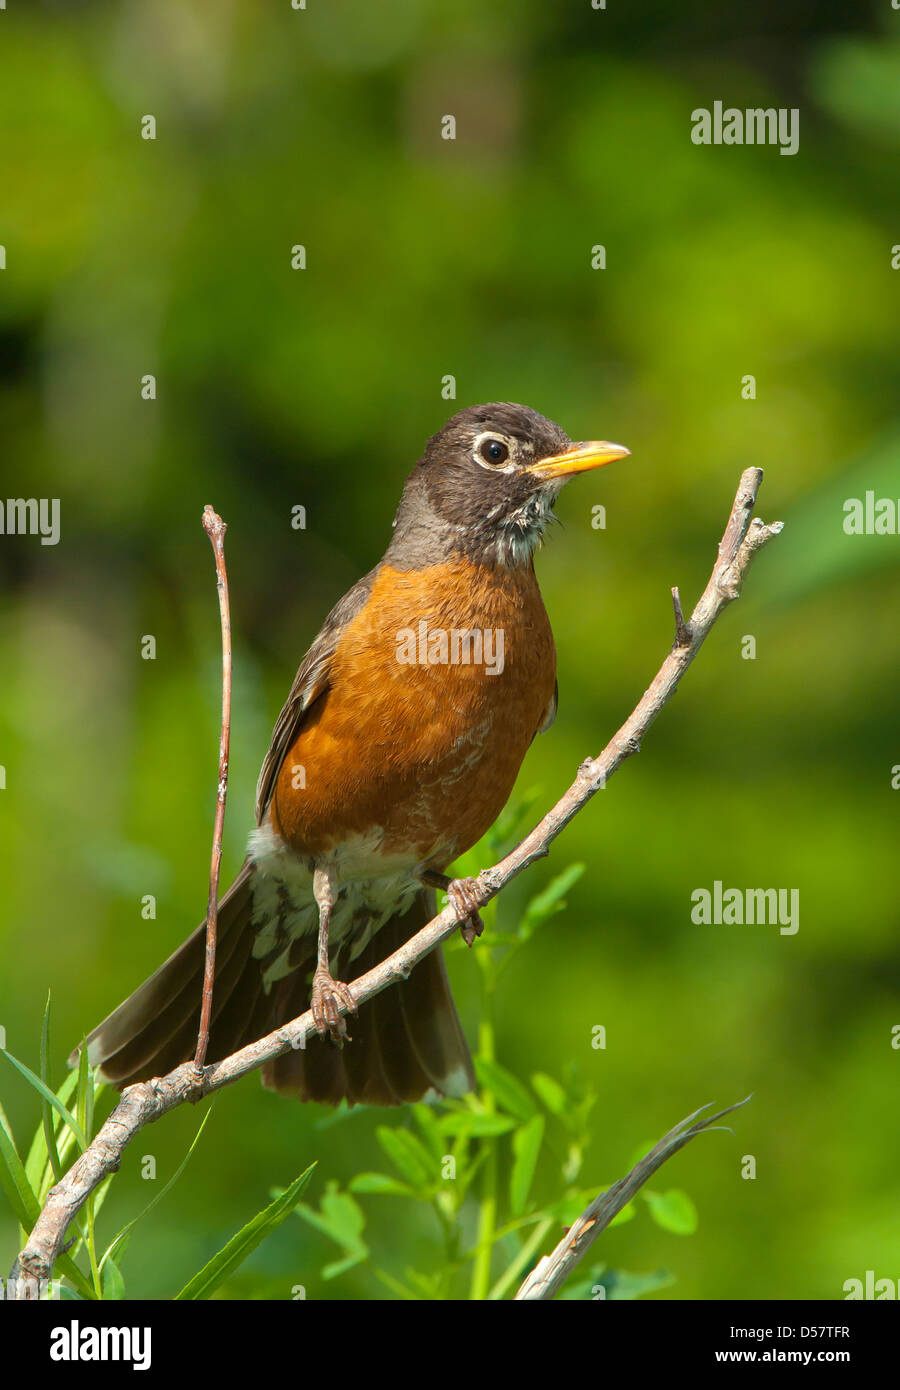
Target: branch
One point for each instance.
(149, 1100)
(552, 1271)
(215, 528)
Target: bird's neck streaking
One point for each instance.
(427, 532)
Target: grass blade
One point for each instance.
(85, 1103)
(37, 1162)
(14, 1179)
(54, 1100)
(233, 1254)
(46, 1110)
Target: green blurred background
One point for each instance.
(279, 388)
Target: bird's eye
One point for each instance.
(494, 452)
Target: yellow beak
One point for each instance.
(578, 458)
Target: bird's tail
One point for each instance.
(155, 1029)
(406, 1042)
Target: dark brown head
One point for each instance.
(486, 484)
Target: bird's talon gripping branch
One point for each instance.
(463, 895)
(328, 995)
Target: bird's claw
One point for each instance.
(463, 895)
(328, 996)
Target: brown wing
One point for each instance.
(310, 683)
(550, 712)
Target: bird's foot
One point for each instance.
(463, 895)
(328, 995)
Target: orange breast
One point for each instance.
(415, 751)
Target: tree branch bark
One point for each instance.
(150, 1100)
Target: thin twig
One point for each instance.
(683, 632)
(551, 1272)
(215, 528)
(147, 1101)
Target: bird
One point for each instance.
(395, 751)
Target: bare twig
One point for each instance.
(215, 528)
(683, 632)
(552, 1271)
(149, 1100)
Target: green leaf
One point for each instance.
(67, 1266)
(100, 1193)
(674, 1211)
(343, 1220)
(14, 1180)
(429, 1128)
(339, 1217)
(380, 1184)
(47, 1121)
(550, 1092)
(36, 1165)
(508, 1091)
(526, 1145)
(232, 1255)
(38, 1085)
(111, 1282)
(472, 1125)
(85, 1103)
(331, 1271)
(5, 1124)
(345, 1217)
(408, 1154)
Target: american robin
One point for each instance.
(397, 748)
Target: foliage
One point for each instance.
(483, 1159)
(480, 1157)
(65, 1132)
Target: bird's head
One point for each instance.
(486, 483)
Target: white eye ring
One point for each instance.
(505, 463)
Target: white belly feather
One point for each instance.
(371, 890)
